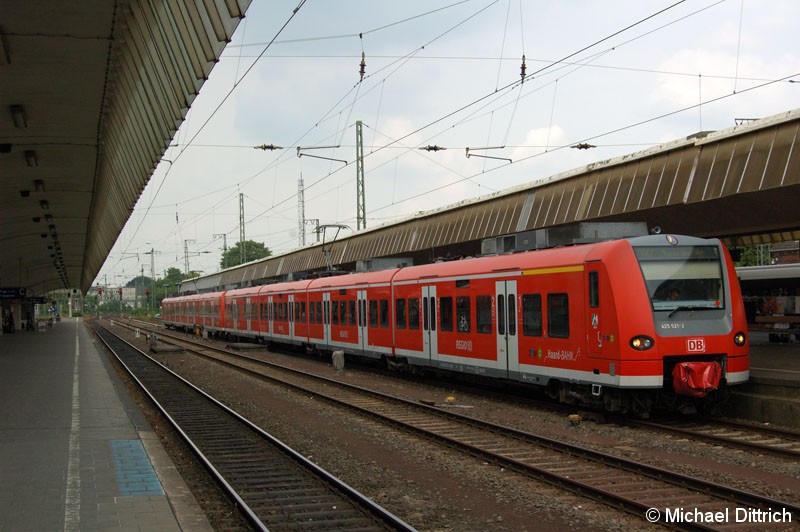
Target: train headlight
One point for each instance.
(739, 338)
(642, 343)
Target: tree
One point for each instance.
(755, 255)
(254, 251)
(169, 284)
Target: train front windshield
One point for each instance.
(682, 277)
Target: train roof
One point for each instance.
(354, 279)
(544, 258)
(290, 286)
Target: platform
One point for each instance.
(773, 393)
(77, 453)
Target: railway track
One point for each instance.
(746, 436)
(738, 435)
(274, 486)
(640, 489)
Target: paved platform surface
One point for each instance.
(77, 453)
(774, 361)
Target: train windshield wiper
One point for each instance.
(688, 307)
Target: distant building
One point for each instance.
(786, 252)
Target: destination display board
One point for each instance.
(12, 293)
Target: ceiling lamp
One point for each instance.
(18, 115)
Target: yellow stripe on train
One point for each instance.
(560, 269)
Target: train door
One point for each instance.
(270, 316)
(507, 343)
(595, 312)
(248, 315)
(363, 331)
(326, 317)
(429, 340)
(290, 317)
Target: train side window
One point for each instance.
(483, 317)
(433, 313)
(351, 311)
(311, 314)
(335, 312)
(319, 311)
(384, 313)
(558, 315)
(373, 312)
(413, 313)
(446, 313)
(512, 315)
(303, 311)
(362, 313)
(594, 289)
(400, 313)
(531, 314)
(343, 312)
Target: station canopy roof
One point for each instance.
(91, 93)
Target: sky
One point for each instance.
(621, 75)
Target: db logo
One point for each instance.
(696, 345)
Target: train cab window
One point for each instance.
(384, 313)
(373, 312)
(351, 311)
(483, 314)
(413, 313)
(446, 313)
(400, 313)
(558, 315)
(531, 314)
(594, 290)
(335, 312)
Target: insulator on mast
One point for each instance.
(523, 67)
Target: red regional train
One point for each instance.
(624, 325)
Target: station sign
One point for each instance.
(40, 300)
(12, 293)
